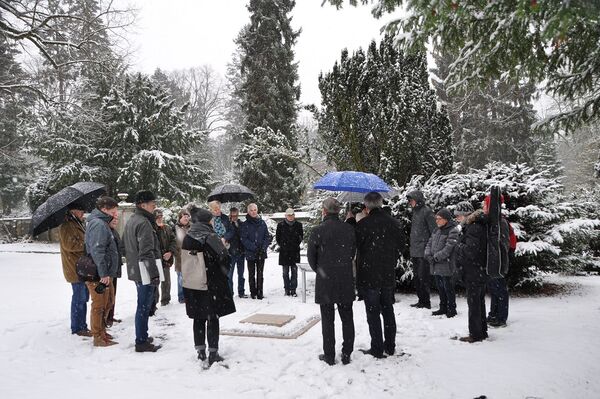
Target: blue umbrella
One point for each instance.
(356, 182)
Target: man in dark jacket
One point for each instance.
(289, 235)
(330, 251)
(236, 251)
(471, 255)
(421, 228)
(101, 246)
(255, 239)
(143, 260)
(379, 241)
(168, 247)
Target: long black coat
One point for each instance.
(217, 300)
(330, 251)
(380, 241)
(471, 250)
(288, 238)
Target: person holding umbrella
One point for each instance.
(72, 241)
(101, 246)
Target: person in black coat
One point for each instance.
(256, 239)
(289, 235)
(380, 241)
(471, 256)
(205, 287)
(330, 251)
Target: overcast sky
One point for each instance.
(175, 34)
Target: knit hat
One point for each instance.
(445, 214)
(200, 215)
(463, 208)
(144, 196)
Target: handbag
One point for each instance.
(86, 269)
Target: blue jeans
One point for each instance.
(180, 297)
(290, 283)
(380, 301)
(499, 293)
(145, 298)
(445, 288)
(79, 307)
(239, 262)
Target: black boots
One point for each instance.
(327, 360)
(214, 357)
(201, 354)
(439, 312)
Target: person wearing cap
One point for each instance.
(101, 246)
(256, 239)
(440, 254)
(205, 286)
(289, 235)
(471, 256)
(72, 242)
(330, 251)
(379, 242)
(142, 249)
(421, 227)
(497, 286)
(168, 247)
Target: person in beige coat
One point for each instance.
(72, 240)
(181, 228)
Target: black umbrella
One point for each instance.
(52, 212)
(230, 192)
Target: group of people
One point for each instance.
(356, 256)
(363, 252)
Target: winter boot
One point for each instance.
(470, 339)
(451, 313)
(214, 357)
(147, 347)
(375, 355)
(293, 293)
(346, 358)
(103, 342)
(327, 360)
(202, 354)
(439, 312)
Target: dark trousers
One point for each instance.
(111, 312)
(445, 287)
(422, 278)
(202, 328)
(499, 294)
(476, 303)
(145, 298)
(328, 328)
(290, 283)
(255, 275)
(380, 301)
(165, 287)
(237, 261)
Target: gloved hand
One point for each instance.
(155, 281)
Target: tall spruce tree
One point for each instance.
(380, 115)
(491, 122)
(269, 101)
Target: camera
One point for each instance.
(100, 288)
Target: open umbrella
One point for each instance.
(52, 212)
(348, 196)
(356, 182)
(230, 192)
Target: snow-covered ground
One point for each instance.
(549, 349)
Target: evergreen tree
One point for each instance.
(269, 101)
(489, 123)
(14, 112)
(380, 115)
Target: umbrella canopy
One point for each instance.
(348, 196)
(230, 192)
(356, 182)
(52, 212)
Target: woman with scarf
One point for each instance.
(205, 289)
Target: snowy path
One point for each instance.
(549, 350)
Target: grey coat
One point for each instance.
(100, 244)
(422, 225)
(141, 244)
(440, 250)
